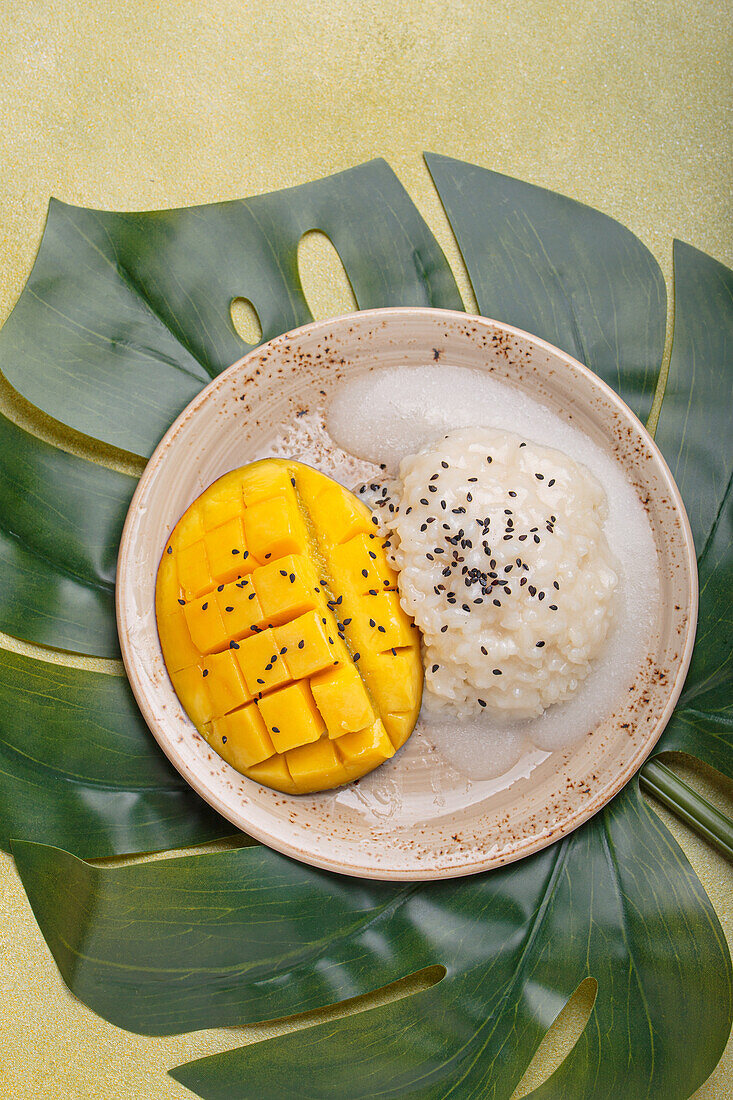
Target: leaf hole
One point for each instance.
(408, 986)
(223, 844)
(323, 277)
(246, 320)
(560, 1038)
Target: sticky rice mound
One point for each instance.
(504, 564)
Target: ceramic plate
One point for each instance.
(415, 817)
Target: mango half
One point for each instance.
(282, 630)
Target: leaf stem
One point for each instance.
(661, 782)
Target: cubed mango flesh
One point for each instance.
(281, 628)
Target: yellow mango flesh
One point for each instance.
(282, 630)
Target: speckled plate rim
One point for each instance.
(523, 847)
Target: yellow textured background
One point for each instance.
(138, 105)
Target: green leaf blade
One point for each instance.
(80, 769)
(561, 270)
(620, 903)
(694, 433)
(117, 341)
(60, 523)
(208, 940)
(694, 430)
(232, 937)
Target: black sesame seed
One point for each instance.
(234, 645)
(357, 656)
(251, 595)
(169, 550)
(444, 465)
(551, 482)
(540, 477)
(512, 493)
(496, 603)
(432, 488)
(206, 672)
(228, 608)
(435, 668)
(275, 729)
(260, 681)
(235, 551)
(182, 602)
(365, 572)
(346, 622)
(283, 572)
(204, 605)
(484, 650)
(301, 643)
(539, 644)
(556, 585)
(496, 671)
(223, 740)
(268, 668)
(553, 607)
(482, 702)
(443, 629)
(537, 539)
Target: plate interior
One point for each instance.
(416, 816)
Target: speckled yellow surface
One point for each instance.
(136, 105)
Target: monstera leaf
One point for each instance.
(201, 943)
(124, 317)
(116, 342)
